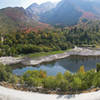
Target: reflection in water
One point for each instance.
(71, 63)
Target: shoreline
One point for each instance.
(12, 94)
(35, 61)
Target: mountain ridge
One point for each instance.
(16, 19)
(69, 12)
(39, 17)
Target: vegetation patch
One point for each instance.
(38, 81)
(56, 40)
(41, 54)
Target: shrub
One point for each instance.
(76, 83)
(96, 80)
(6, 74)
(98, 67)
(50, 83)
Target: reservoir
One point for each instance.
(71, 63)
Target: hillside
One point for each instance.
(37, 9)
(64, 14)
(69, 12)
(16, 19)
(38, 17)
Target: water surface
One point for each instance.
(71, 64)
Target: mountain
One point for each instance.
(17, 19)
(64, 14)
(87, 5)
(38, 17)
(35, 9)
(70, 12)
(47, 6)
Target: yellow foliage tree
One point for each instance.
(82, 69)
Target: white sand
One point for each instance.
(10, 94)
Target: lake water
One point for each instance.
(71, 64)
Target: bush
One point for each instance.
(34, 78)
(68, 76)
(64, 85)
(96, 80)
(50, 83)
(6, 74)
(79, 81)
(76, 83)
(98, 67)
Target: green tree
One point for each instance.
(98, 67)
(76, 83)
(50, 83)
(96, 80)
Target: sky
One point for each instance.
(21, 3)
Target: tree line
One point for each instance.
(50, 40)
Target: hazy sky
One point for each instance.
(23, 3)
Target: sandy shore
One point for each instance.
(32, 61)
(11, 94)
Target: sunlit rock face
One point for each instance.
(37, 10)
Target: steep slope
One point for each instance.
(14, 19)
(64, 14)
(35, 9)
(69, 12)
(47, 6)
(17, 19)
(88, 7)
